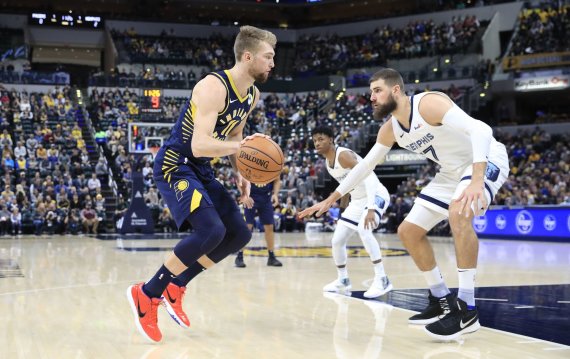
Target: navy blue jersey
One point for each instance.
(234, 113)
(261, 190)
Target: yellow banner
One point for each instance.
(548, 59)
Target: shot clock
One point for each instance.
(151, 101)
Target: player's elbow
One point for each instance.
(198, 146)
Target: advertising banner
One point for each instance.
(549, 223)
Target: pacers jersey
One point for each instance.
(235, 111)
(447, 147)
(339, 173)
(261, 191)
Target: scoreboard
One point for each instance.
(151, 101)
(69, 19)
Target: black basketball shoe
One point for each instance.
(459, 321)
(272, 261)
(239, 260)
(436, 309)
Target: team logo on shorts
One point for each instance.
(180, 187)
(524, 222)
(549, 222)
(501, 222)
(480, 223)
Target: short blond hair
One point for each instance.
(249, 38)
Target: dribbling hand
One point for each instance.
(251, 137)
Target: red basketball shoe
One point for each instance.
(145, 312)
(173, 296)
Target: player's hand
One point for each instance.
(243, 185)
(319, 208)
(274, 200)
(247, 202)
(370, 220)
(473, 197)
(251, 137)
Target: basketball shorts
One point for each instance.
(353, 216)
(184, 191)
(446, 186)
(263, 207)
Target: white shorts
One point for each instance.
(445, 187)
(353, 215)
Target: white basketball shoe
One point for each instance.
(338, 286)
(379, 287)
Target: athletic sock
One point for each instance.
(379, 269)
(342, 272)
(185, 277)
(467, 286)
(156, 286)
(435, 282)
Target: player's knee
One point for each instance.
(405, 232)
(459, 222)
(364, 233)
(242, 235)
(212, 235)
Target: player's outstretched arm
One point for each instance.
(377, 154)
(208, 99)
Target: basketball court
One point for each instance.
(64, 297)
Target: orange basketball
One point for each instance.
(260, 160)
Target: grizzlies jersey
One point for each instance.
(447, 147)
(261, 190)
(235, 111)
(339, 173)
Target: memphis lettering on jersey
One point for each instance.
(419, 143)
(255, 160)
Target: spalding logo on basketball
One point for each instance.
(260, 160)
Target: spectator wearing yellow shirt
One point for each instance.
(76, 132)
(41, 152)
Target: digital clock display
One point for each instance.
(151, 101)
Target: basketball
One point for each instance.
(260, 160)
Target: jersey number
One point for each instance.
(432, 150)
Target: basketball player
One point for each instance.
(264, 197)
(473, 168)
(210, 125)
(368, 202)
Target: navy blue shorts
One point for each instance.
(264, 209)
(184, 191)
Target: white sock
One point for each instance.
(435, 282)
(467, 285)
(342, 272)
(379, 270)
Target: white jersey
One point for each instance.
(447, 147)
(359, 192)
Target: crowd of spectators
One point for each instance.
(150, 76)
(47, 180)
(543, 29)
(326, 54)
(215, 52)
